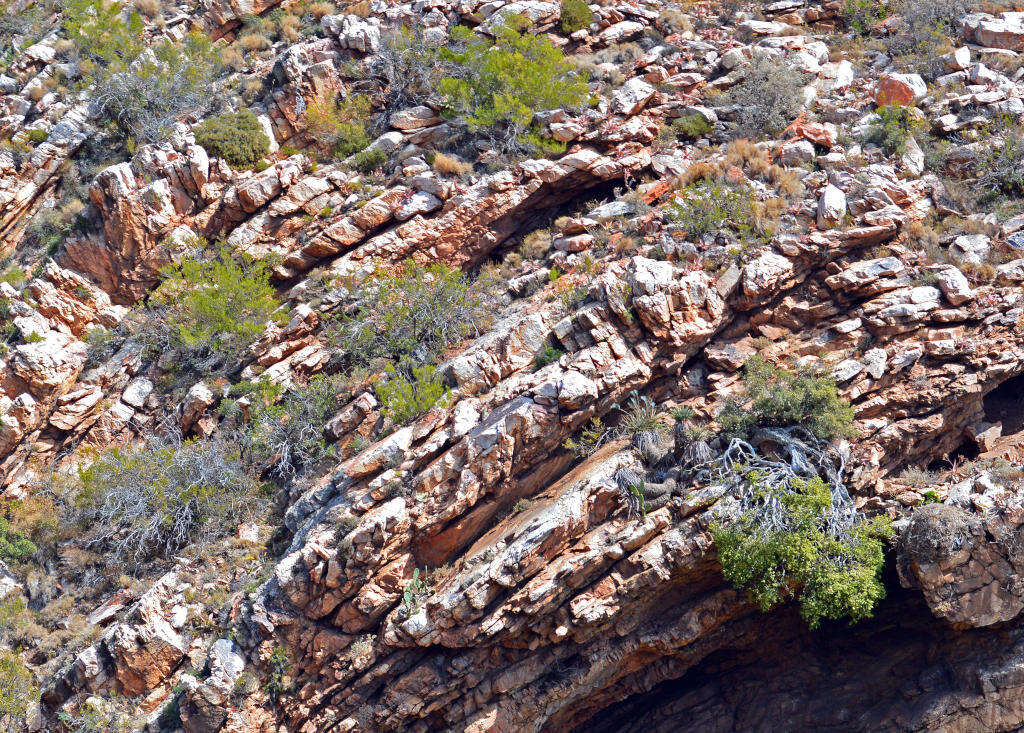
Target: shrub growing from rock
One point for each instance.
(576, 15)
(210, 311)
(237, 137)
(775, 397)
(403, 398)
(895, 125)
(408, 318)
(153, 501)
(496, 86)
(17, 691)
(768, 97)
(14, 546)
(799, 555)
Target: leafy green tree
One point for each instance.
(576, 15)
(496, 85)
(799, 556)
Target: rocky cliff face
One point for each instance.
(466, 571)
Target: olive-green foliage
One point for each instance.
(290, 434)
(410, 317)
(497, 85)
(546, 356)
(831, 578)
(692, 127)
(14, 546)
(1001, 166)
(144, 502)
(237, 137)
(144, 94)
(210, 310)
(896, 124)
(17, 691)
(340, 125)
(576, 15)
(403, 399)
(768, 97)
(777, 398)
(862, 15)
(369, 160)
(707, 207)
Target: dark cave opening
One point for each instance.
(1006, 404)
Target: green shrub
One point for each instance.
(237, 137)
(210, 310)
(290, 433)
(777, 398)
(769, 97)
(101, 33)
(692, 127)
(576, 15)
(1001, 166)
(409, 318)
(339, 126)
(707, 207)
(500, 83)
(798, 557)
(37, 136)
(546, 356)
(14, 546)
(403, 399)
(896, 124)
(369, 160)
(592, 437)
(18, 691)
(147, 94)
(152, 501)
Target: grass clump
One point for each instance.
(775, 397)
(237, 137)
(796, 556)
(576, 15)
(210, 311)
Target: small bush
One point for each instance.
(141, 503)
(692, 127)
(896, 124)
(369, 160)
(924, 33)
(769, 98)
(546, 356)
(1001, 166)
(14, 546)
(410, 317)
(210, 311)
(796, 555)
(18, 691)
(777, 398)
(146, 94)
(576, 15)
(237, 137)
(403, 399)
(290, 434)
(496, 85)
(339, 126)
(592, 437)
(707, 207)
(37, 136)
